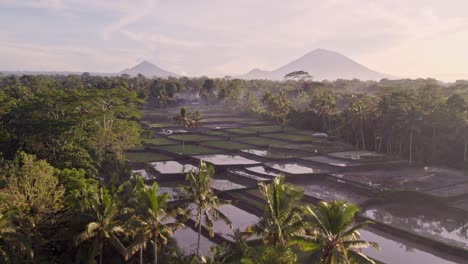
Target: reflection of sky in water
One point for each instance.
(225, 185)
(226, 159)
(329, 192)
(395, 252)
(172, 167)
(248, 175)
(293, 168)
(269, 153)
(331, 161)
(262, 170)
(186, 239)
(443, 228)
(240, 220)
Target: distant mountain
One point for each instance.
(149, 70)
(321, 65)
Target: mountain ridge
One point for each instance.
(321, 64)
(148, 69)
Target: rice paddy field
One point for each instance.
(246, 151)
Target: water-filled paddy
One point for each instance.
(226, 160)
(172, 167)
(396, 252)
(186, 240)
(263, 170)
(449, 191)
(295, 168)
(249, 133)
(243, 173)
(435, 223)
(240, 220)
(412, 179)
(331, 161)
(225, 185)
(329, 191)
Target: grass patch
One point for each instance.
(265, 129)
(217, 133)
(229, 145)
(192, 137)
(145, 156)
(189, 149)
(225, 119)
(260, 141)
(240, 131)
(295, 137)
(157, 141)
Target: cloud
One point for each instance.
(400, 37)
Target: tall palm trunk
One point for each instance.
(141, 255)
(155, 250)
(362, 136)
(100, 252)
(411, 146)
(199, 232)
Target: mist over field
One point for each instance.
(227, 132)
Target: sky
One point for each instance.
(417, 38)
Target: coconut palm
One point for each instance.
(183, 118)
(206, 203)
(103, 225)
(335, 237)
(151, 219)
(282, 218)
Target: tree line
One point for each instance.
(61, 216)
(66, 192)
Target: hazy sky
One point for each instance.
(416, 38)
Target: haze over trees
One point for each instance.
(66, 191)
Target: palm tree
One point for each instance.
(151, 218)
(183, 118)
(335, 237)
(199, 192)
(103, 224)
(282, 218)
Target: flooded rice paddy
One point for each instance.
(295, 168)
(392, 251)
(245, 151)
(172, 167)
(186, 239)
(226, 160)
(263, 170)
(332, 161)
(440, 225)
